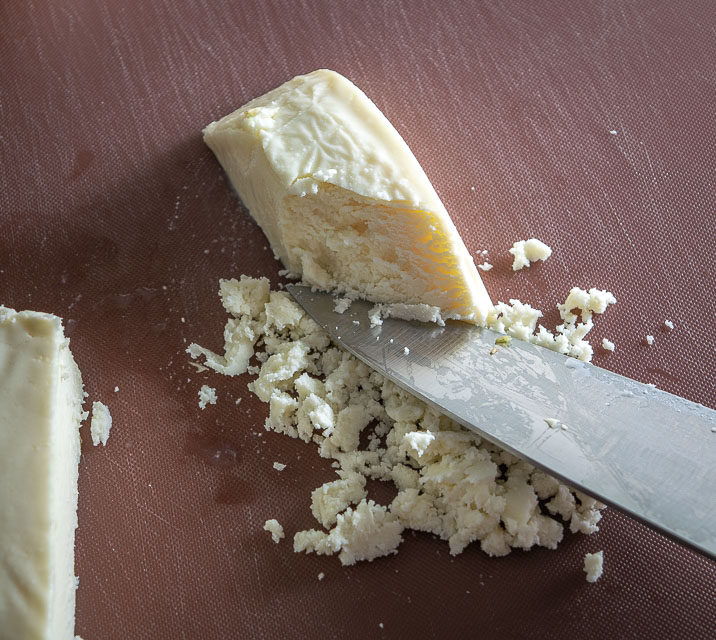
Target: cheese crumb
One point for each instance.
(342, 304)
(485, 266)
(101, 423)
(275, 529)
(207, 395)
(279, 466)
(406, 351)
(116, 389)
(669, 325)
(321, 576)
(594, 566)
(650, 340)
(527, 251)
(608, 345)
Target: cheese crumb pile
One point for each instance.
(449, 481)
(520, 321)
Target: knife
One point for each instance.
(644, 451)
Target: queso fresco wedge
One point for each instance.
(342, 199)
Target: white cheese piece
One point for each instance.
(342, 305)
(40, 413)
(342, 199)
(207, 395)
(527, 251)
(101, 423)
(275, 529)
(485, 266)
(594, 566)
(650, 340)
(279, 466)
(608, 345)
(669, 325)
(321, 576)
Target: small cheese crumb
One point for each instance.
(116, 389)
(594, 566)
(207, 395)
(321, 576)
(613, 132)
(669, 325)
(485, 266)
(101, 423)
(406, 351)
(278, 466)
(528, 251)
(649, 340)
(342, 304)
(275, 529)
(608, 345)
(380, 624)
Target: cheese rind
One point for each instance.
(342, 200)
(40, 413)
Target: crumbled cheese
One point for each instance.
(279, 466)
(485, 266)
(528, 251)
(406, 351)
(608, 345)
(594, 566)
(321, 576)
(342, 304)
(520, 320)
(669, 325)
(207, 395)
(649, 340)
(116, 389)
(450, 482)
(275, 529)
(101, 423)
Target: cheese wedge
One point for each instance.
(342, 200)
(40, 413)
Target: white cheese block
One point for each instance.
(342, 200)
(40, 413)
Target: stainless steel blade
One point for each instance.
(647, 452)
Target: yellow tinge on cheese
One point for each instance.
(40, 413)
(342, 199)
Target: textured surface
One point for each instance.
(114, 215)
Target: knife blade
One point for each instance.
(644, 451)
